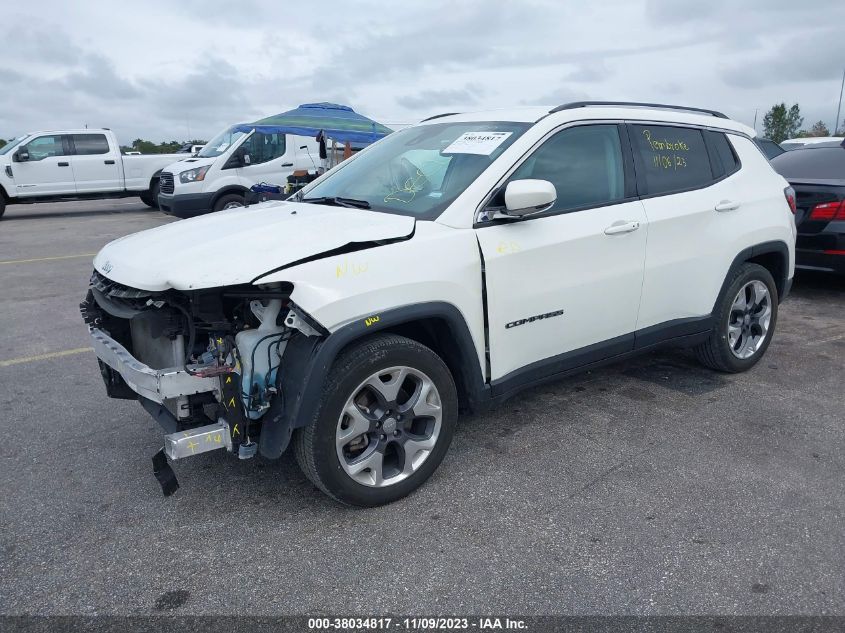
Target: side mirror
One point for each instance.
(239, 158)
(21, 156)
(527, 197)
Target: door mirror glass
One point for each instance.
(529, 196)
(236, 159)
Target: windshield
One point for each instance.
(420, 170)
(220, 143)
(8, 147)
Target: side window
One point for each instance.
(670, 158)
(724, 161)
(584, 163)
(45, 147)
(88, 144)
(264, 147)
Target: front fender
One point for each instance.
(434, 275)
(308, 360)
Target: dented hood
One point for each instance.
(239, 245)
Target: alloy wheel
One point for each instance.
(389, 426)
(749, 319)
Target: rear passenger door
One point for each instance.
(686, 178)
(96, 166)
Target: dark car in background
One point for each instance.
(817, 173)
(769, 147)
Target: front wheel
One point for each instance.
(150, 196)
(229, 201)
(2, 206)
(746, 318)
(386, 421)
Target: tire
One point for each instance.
(150, 196)
(2, 206)
(745, 323)
(229, 201)
(329, 448)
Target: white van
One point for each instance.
(221, 174)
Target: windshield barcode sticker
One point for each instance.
(483, 143)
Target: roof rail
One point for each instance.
(438, 116)
(661, 106)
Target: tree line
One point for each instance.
(165, 147)
(781, 123)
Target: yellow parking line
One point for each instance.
(44, 259)
(31, 359)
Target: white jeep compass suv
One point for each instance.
(444, 268)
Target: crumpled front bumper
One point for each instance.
(157, 385)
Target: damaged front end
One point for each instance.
(206, 364)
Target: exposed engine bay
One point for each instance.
(205, 363)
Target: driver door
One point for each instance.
(48, 171)
(563, 287)
(271, 158)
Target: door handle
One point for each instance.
(621, 227)
(287, 164)
(109, 162)
(727, 205)
(64, 164)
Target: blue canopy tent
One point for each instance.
(337, 122)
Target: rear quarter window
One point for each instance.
(670, 158)
(724, 160)
(824, 163)
(89, 144)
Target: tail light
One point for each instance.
(828, 211)
(789, 194)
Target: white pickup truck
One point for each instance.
(74, 164)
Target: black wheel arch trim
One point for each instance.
(307, 361)
(238, 189)
(154, 178)
(776, 246)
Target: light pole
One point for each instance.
(839, 109)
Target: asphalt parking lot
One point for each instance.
(649, 487)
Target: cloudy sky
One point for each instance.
(187, 68)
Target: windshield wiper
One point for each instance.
(349, 203)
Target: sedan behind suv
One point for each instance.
(817, 173)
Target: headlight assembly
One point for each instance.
(194, 175)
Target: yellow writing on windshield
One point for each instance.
(409, 189)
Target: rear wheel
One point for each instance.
(387, 417)
(746, 321)
(229, 201)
